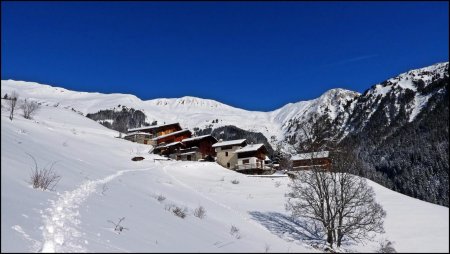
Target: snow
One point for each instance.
(305, 156)
(170, 144)
(100, 183)
(188, 153)
(138, 133)
(407, 84)
(229, 143)
(382, 90)
(249, 148)
(420, 101)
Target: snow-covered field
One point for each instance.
(100, 183)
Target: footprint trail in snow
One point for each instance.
(62, 218)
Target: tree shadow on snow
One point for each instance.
(288, 227)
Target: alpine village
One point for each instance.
(175, 143)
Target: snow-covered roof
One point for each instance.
(151, 127)
(188, 153)
(197, 138)
(170, 134)
(137, 133)
(315, 155)
(249, 148)
(172, 144)
(168, 145)
(229, 143)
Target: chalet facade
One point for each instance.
(251, 158)
(198, 148)
(188, 149)
(171, 137)
(169, 149)
(152, 132)
(306, 161)
(139, 137)
(225, 152)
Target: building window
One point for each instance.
(226, 154)
(228, 165)
(245, 161)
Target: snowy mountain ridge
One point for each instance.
(409, 91)
(191, 112)
(282, 124)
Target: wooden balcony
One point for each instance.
(250, 166)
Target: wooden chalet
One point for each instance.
(139, 137)
(169, 149)
(306, 161)
(158, 130)
(197, 148)
(251, 158)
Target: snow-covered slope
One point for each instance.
(100, 183)
(191, 112)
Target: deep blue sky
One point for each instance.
(253, 55)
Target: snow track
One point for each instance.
(62, 218)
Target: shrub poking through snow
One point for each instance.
(117, 227)
(200, 212)
(104, 189)
(235, 181)
(176, 210)
(386, 246)
(44, 178)
(234, 231)
(160, 198)
(180, 212)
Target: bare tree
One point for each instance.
(29, 108)
(285, 162)
(12, 102)
(332, 201)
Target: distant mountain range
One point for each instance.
(399, 127)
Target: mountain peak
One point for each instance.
(339, 93)
(187, 102)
